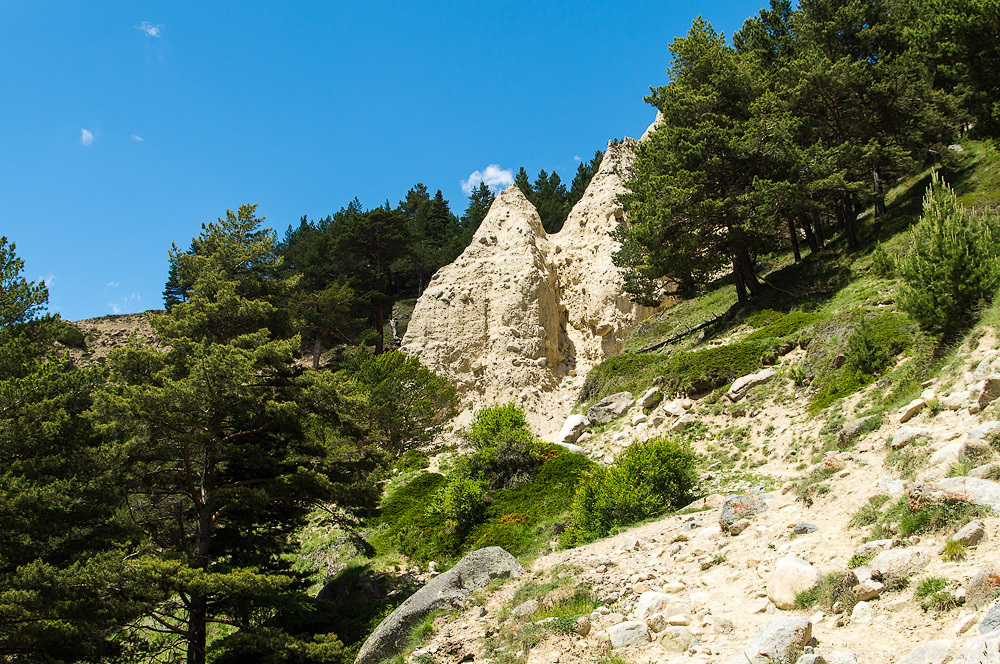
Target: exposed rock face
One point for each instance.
(520, 312)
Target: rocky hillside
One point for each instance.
(789, 562)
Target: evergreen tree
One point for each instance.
(65, 585)
(213, 434)
(480, 200)
(689, 204)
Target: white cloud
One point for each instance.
(47, 281)
(493, 176)
(138, 139)
(86, 137)
(576, 157)
(114, 284)
(125, 304)
(150, 29)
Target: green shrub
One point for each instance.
(646, 480)
(629, 372)
(70, 335)
(463, 503)
(412, 460)
(702, 370)
(934, 596)
(836, 587)
(952, 265)
(784, 326)
(505, 451)
(876, 342)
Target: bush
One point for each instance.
(646, 480)
(412, 460)
(463, 503)
(952, 266)
(701, 370)
(505, 451)
(876, 342)
(70, 335)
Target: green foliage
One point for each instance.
(505, 451)
(701, 370)
(931, 592)
(954, 550)
(952, 265)
(646, 480)
(876, 342)
(783, 326)
(70, 335)
(398, 401)
(412, 460)
(21, 300)
(629, 372)
(929, 518)
(836, 587)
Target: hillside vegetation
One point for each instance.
(819, 199)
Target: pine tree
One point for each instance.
(214, 435)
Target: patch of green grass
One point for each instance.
(933, 518)
(836, 587)
(783, 326)
(869, 513)
(954, 550)
(931, 591)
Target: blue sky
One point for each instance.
(125, 125)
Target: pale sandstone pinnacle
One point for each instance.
(520, 312)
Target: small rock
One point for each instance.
(525, 609)
(572, 428)
(898, 563)
(739, 526)
(963, 624)
(908, 411)
(984, 430)
(970, 534)
(656, 622)
(804, 528)
(862, 613)
(650, 603)
(905, 435)
(582, 626)
(610, 407)
(850, 431)
(867, 590)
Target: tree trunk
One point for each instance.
(818, 229)
(879, 196)
(317, 349)
(380, 326)
(794, 236)
(810, 236)
(196, 632)
(850, 223)
(747, 285)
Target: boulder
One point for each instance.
(674, 408)
(444, 591)
(739, 506)
(991, 621)
(629, 633)
(778, 640)
(575, 449)
(956, 489)
(896, 563)
(610, 407)
(932, 652)
(676, 638)
(851, 431)
(862, 613)
(804, 528)
(742, 385)
(791, 576)
(649, 603)
(572, 428)
(904, 435)
(739, 526)
(984, 587)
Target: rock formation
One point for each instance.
(520, 312)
